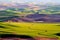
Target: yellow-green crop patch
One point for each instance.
(32, 29)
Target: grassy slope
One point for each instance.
(32, 29)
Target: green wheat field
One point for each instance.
(31, 29)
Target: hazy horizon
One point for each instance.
(31, 1)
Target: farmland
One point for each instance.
(27, 21)
(32, 29)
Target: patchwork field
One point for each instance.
(32, 29)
